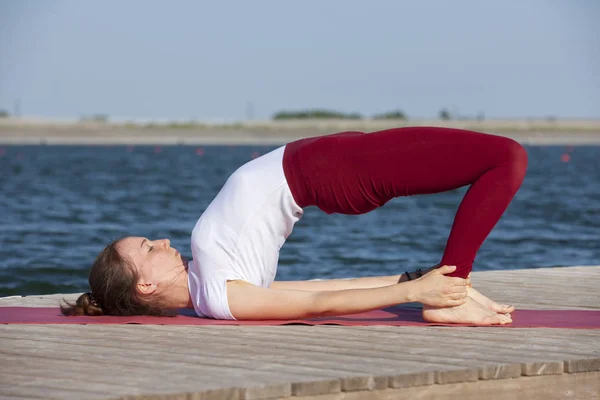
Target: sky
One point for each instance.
(238, 60)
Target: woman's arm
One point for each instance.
(344, 284)
(247, 301)
(339, 284)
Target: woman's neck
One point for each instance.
(177, 293)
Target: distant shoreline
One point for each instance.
(35, 132)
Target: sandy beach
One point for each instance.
(31, 131)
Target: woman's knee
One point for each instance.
(514, 156)
(519, 155)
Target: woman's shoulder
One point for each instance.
(208, 288)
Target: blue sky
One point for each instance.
(211, 60)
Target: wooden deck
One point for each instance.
(316, 362)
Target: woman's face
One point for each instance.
(155, 261)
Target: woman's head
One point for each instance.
(128, 278)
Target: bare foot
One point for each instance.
(469, 313)
(489, 303)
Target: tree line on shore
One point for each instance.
(314, 113)
(321, 113)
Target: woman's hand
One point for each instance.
(436, 266)
(436, 290)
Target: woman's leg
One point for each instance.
(354, 173)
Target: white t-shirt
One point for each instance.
(239, 235)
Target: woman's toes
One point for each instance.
(499, 319)
(507, 309)
(506, 319)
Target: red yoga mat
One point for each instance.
(395, 316)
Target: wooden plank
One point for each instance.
(577, 386)
(318, 362)
(169, 372)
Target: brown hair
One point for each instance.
(113, 282)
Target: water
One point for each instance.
(61, 204)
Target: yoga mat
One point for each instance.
(395, 316)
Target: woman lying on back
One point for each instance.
(235, 243)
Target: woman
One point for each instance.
(235, 243)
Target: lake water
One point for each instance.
(60, 205)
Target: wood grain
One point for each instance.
(259, 362)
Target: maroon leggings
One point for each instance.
(354, 173)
